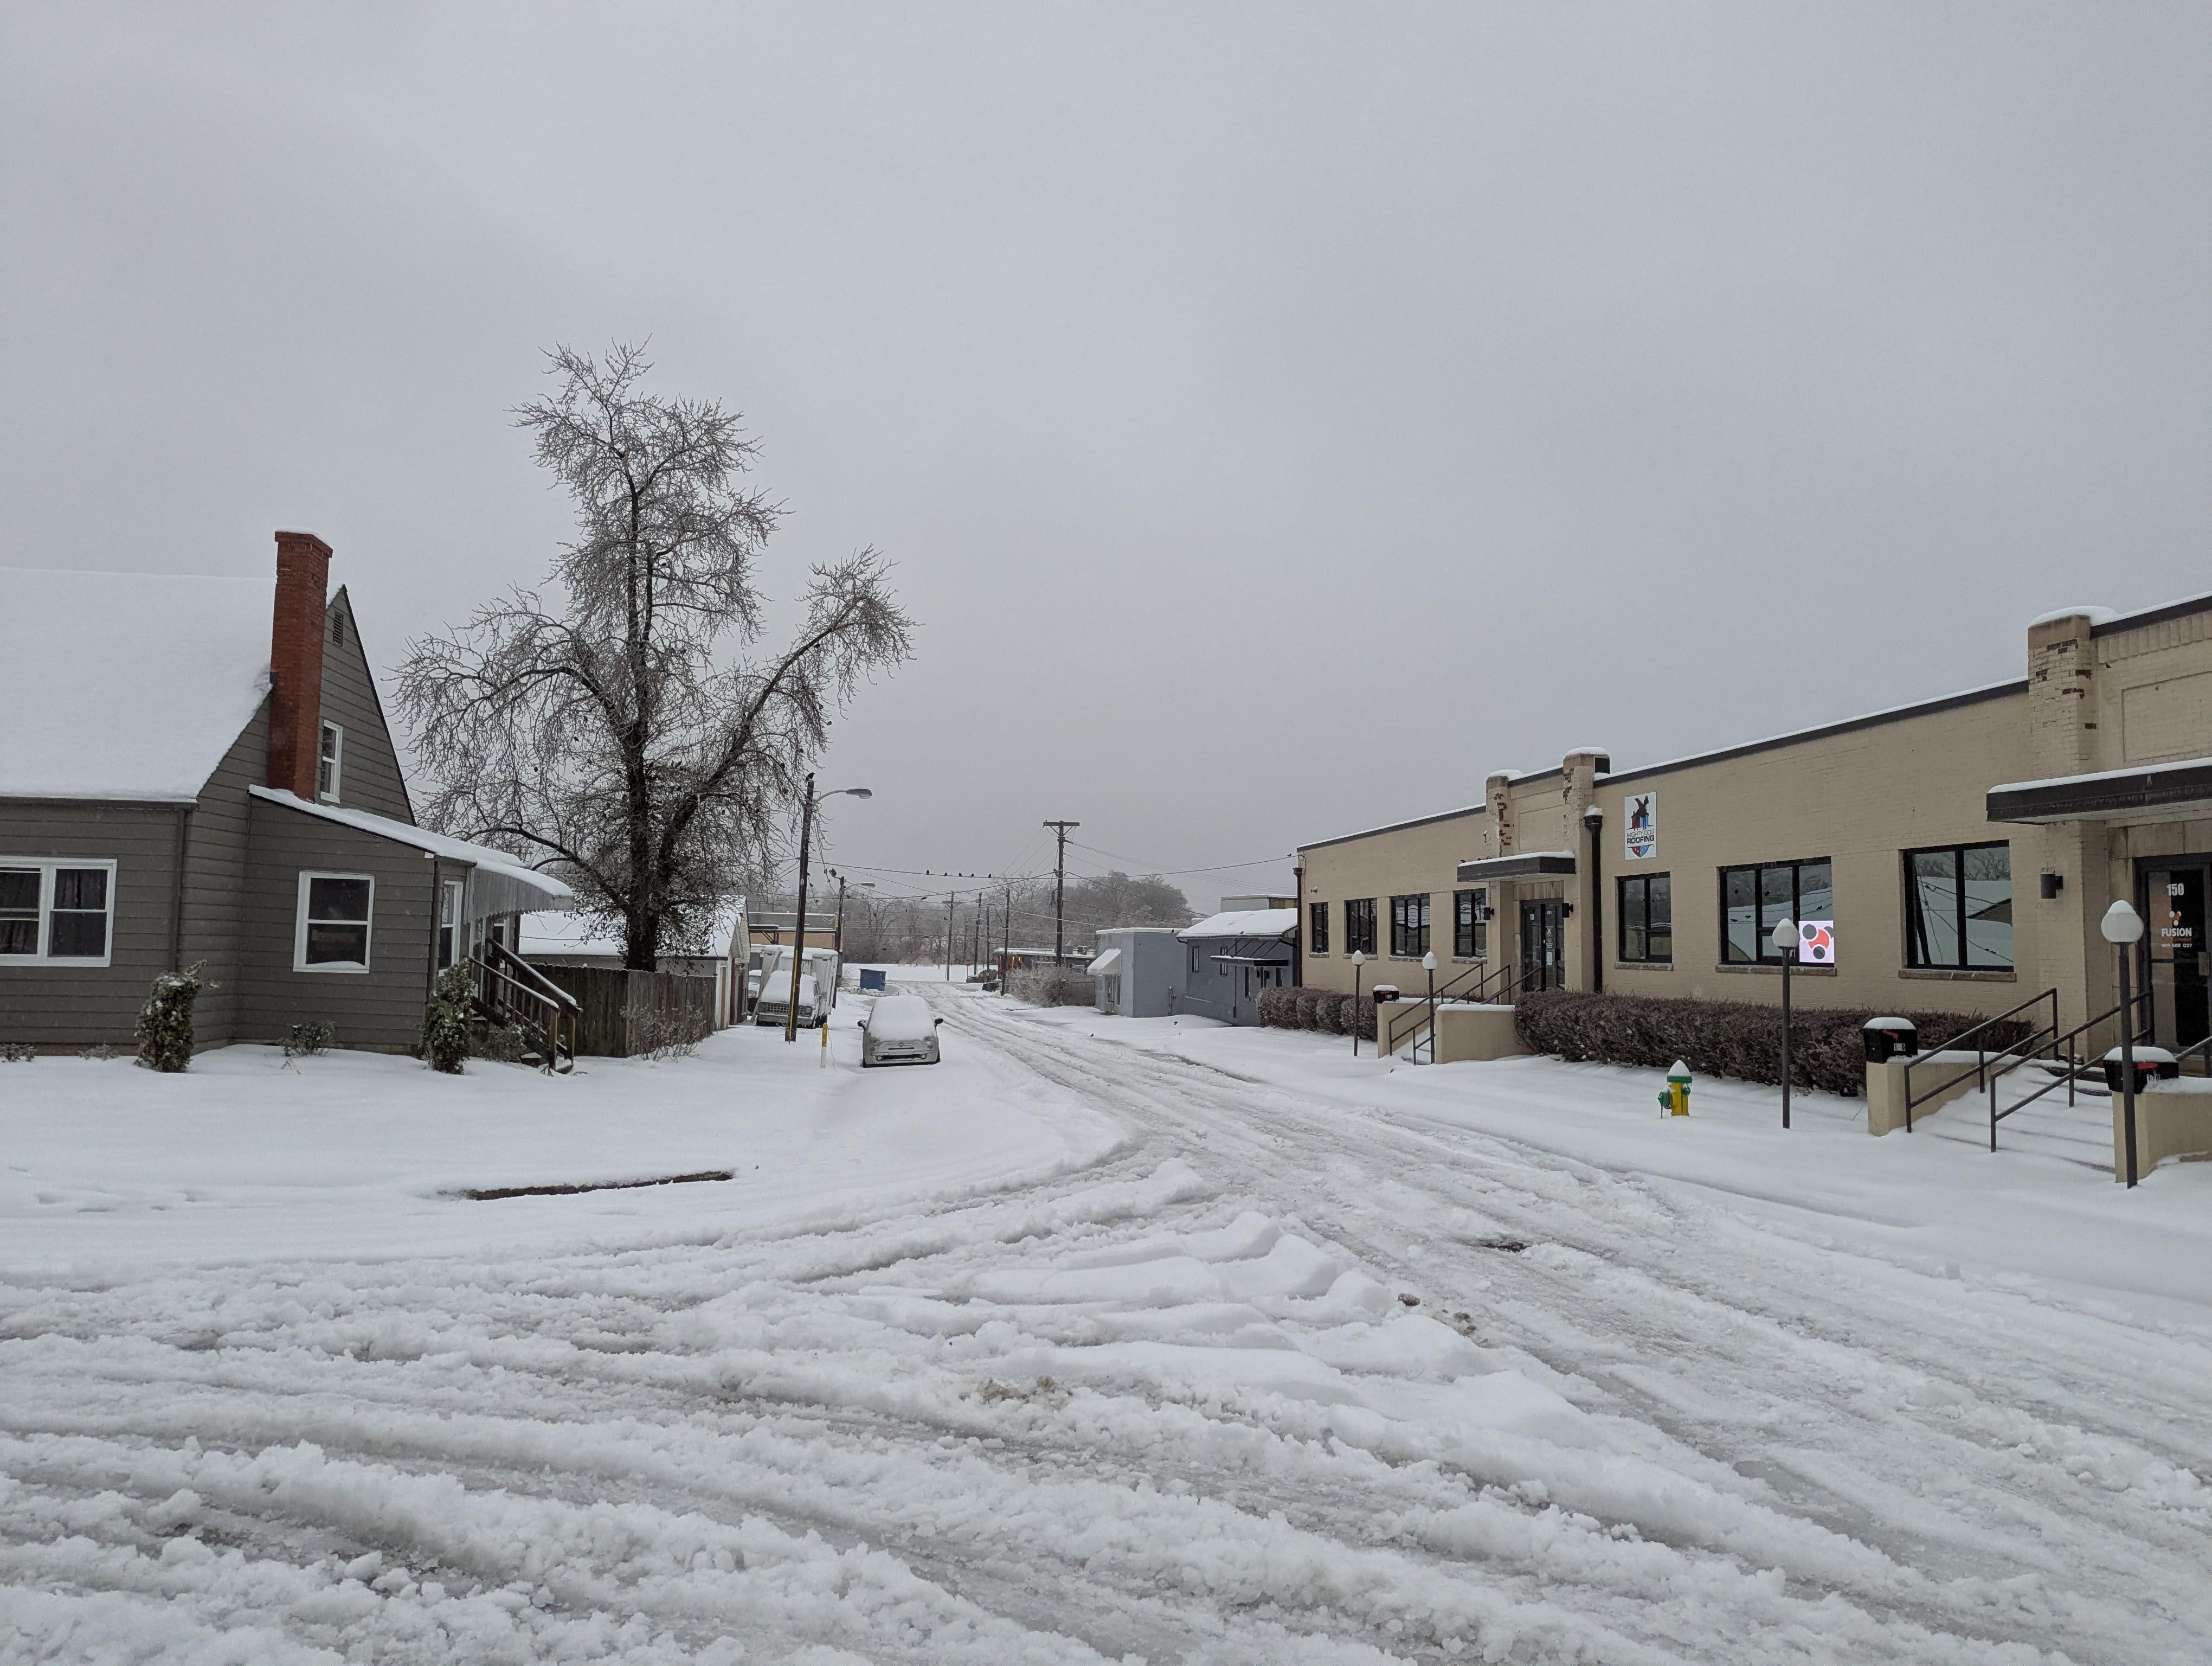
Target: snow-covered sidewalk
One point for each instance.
(1258, 1358)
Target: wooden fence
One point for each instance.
(611, 999)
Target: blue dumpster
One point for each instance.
(872, 977)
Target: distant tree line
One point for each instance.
(912, 931)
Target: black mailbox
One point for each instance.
(1891, 1038)
(1385, 992)
(2151, 1063)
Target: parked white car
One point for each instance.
(899, 1029)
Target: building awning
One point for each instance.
(2152, 790)
(1106, 965)
(1258, 923)
(1521, 865)
(1249, 959)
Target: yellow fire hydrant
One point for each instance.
(1675, 1097)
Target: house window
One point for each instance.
(449, 922)
(332, 933)
(1359, 925)
(1409, 926)
(1195, 967)
(1755, 900)
(1647, 919)
(56, 911)
(1957, 908)
(1471, 925)
(328, 762)
(1318, 934)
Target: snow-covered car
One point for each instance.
(899, 1029)
(775, 1000)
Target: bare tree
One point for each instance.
(623, 737)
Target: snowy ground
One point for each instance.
(1201, 1346)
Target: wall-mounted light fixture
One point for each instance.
(2052, 885)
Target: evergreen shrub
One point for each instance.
(445, 1022)
(164, 1023)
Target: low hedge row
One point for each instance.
(1330, 1012)
(1722, 1037)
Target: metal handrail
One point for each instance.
(1408, 1025)
(1980, 1072)
(2077, 1070)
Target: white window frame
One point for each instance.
(452, 897)
(47, 867)
(300, 926)
(336, 733)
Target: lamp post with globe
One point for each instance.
(1358, 965)
(1786, 945)
(2123, 928)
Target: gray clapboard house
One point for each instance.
(197, 770)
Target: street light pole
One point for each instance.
(2123, 928)
(798, 925)
(1358, 965)
(1429, 965)
(1785, 944)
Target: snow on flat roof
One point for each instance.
(127, 686)
(2096, 615)
(1245, 922)
(439, 844)
(548, 932)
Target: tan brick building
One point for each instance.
(1961, 851)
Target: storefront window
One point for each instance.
(1647, 919)
(1957, 908)
(1409, 926)
(1470, 925)
(1755, 900)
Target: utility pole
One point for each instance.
(838, 939)
(1060, 893)
(798, 929)
(1006, 936)
(949, 900)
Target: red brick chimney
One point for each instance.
(296, 662)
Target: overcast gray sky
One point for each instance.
(1281, 416)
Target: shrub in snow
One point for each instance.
(1722, 1037)
(502, 1043)
(1053, 986)
(1328, 1012)
(306, 1040)
(1309, 1009)
(165, 1022)
(1279, 1008)
(99, 1053)
(445, 1022)
(665, 1033)
(16, 1053)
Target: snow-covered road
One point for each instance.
(1278, 1379)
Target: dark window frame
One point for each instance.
(1359, 925)
(1318, 928)
(1916, 926)
(1471, 924)
(1640, 886)
(1410, 915)
(1796, 866)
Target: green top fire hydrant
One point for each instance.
(1675, 1097)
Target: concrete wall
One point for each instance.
(1151, 969)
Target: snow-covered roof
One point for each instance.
(2130, 773)
(2096, 615)
(482, 857)
(127, 686)
(549, 932)
(1245, 922)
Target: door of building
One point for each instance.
(1543, 939)
(2180, 957)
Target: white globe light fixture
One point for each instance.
(1785, 939)
(2122, 925)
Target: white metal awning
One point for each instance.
(1106, 965)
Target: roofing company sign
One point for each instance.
(1639, 827)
